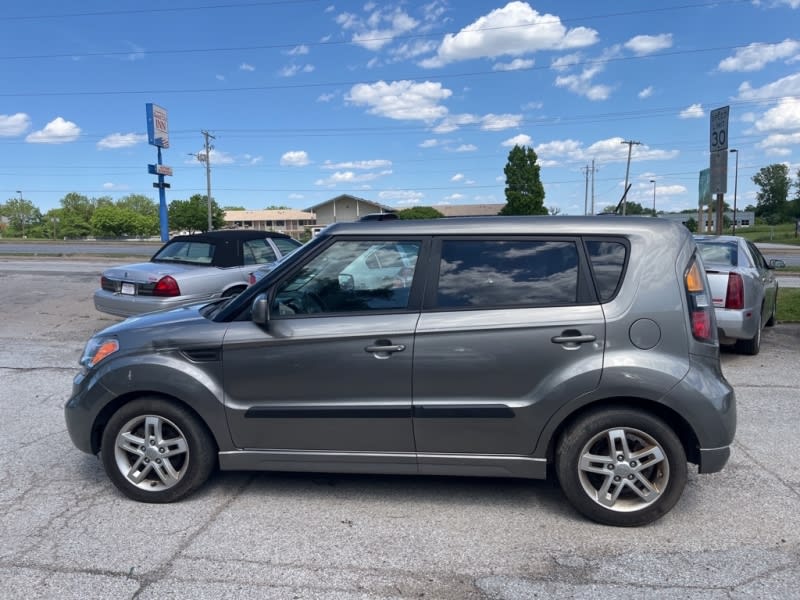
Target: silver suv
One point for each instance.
(495, 347)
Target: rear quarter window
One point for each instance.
(607, 258)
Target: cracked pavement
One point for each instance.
(67, 533)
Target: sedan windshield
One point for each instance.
(720, 253)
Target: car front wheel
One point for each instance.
(156, 451)
(621, 467)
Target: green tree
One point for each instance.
(192, 214)
(691, 224)
(139, 204)
(22, 216)
(773, 181)
(524, 189)
(419, 212)
(275, 207)
(227, 208)
(76, 215)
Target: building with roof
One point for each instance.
(346, 208)
(295, 223)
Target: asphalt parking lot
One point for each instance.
(66, 532)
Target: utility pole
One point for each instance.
(593, 187)
(586, 193)
(208, 173)
(631, 144)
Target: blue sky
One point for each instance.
(404, 103)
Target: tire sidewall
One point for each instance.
(575, 438)
(201, 458)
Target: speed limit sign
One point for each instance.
(719, 129)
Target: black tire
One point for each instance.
(157, 451)
(623, 470)
(753, 345)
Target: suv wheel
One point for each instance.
(621, 467)
(156, 451)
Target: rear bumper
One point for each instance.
(736, 324)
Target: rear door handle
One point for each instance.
(573, 339)
(384, 348)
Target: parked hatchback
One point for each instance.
(743, 287)
(496, 347)
(189, 269)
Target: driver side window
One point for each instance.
(350, 276)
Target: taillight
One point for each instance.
(251, 279)
(699, 306)
(734, 298)
(166, 286)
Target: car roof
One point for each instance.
(229, 234)
(497, 225)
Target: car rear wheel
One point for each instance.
(157, 451)
(753, 345)
(621, 467)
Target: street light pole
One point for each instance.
(653, 181)
(21, 214)
(735, 188)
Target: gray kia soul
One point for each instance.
(496, 347)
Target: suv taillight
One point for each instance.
(699, 305)
(734, 298)
(166, 286)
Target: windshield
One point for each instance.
(719, 253)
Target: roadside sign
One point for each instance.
(719, 172)
(719, 130)
(704, 188)
(157, 130)
(159, 170)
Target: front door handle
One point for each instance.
(384, 348)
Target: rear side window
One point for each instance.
(499, 273)
(184, 251)
(608, 263)
(258, 252)
(286, 245)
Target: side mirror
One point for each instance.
(260, 310)
(776, 263)
(346, 282)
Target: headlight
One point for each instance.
(96, 350)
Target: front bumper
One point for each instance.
(81, 410)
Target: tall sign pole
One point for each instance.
(718, 147)
(158, 136)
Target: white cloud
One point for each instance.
(457, 177)
(695, 111)
(515, 65)
(292, 70)
(295, 196)
(350, 177)
(466, 148)
(582, 84)
(302, 49)
(295, 158)
(518, 140)
(454, 197)
(429, 143)
(246, 67)
(13, 125)
(609, 150)
(121, 140)
(785, 116)
(453, 122)
(642, 45)
(251, 160)
(413, 49)
(401, 196)
(378, 28)
(401, 100)
(57, 131)
(532, 105)
(756, 56)
(562, 63)
(358, 164)
(786, 86)
(780, 140)
(118, 187)
(219, 77)
(493, 122)
(326, 97)
(514, 30)
(220, 158)
(646, 92)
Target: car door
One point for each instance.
(332, 370)
(510, 330)
(765, 280)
